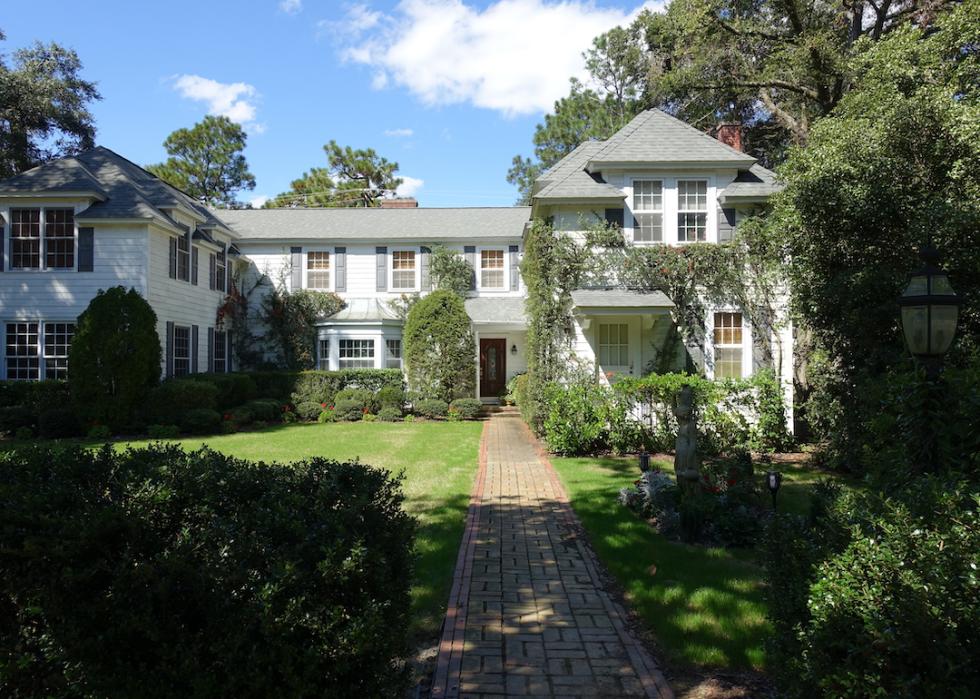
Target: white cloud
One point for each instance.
(409, 186)
(398, 133)
(290, 7)
(233, 100)
(514, 56)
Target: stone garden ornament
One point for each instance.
(687, 461)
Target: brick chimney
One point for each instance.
(400, 203)
(730, 135)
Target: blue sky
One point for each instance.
(450, 89)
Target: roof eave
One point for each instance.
(601, 165)
(50, 194)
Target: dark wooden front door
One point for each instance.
(493, 367)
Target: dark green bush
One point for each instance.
(431, 408)
(201, 421)
(466, 408)
(308, 411)
(14, 417)
(274, 384)
(349, 410)
(362, 396)
(114, 358)
(99, 433)
(163, 431)
(59, 423)
(265, 410)
(439, 347)
(575, 419)
(242, 415)
(233, 389)
(167, 403)
(35, 396)
(323, 386)
(23, 434)
(389, 414)
(158, 573)
(391, 397)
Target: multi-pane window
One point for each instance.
(614, 344)
(728, 345)
(318, 270)
(393, 354)
(356, 354)
(220, 269)
(692, 211)
(323, 354)
(183, 258)
(492, 269)
(648, 211)
(182, 350)
(220, 351)
(403, 269)
(59, 238)
(57, 342)
(23, 362)
(25, 239)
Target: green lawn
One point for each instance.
(704, 605)
(439, 461)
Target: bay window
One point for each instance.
(692, 211)
(323, 354)
(393, 354)
(356, 354)
(648, 211)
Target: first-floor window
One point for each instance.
(220, 351)
(182, 350)
(356, 354)
(491, 269)
(318, 270)
(393, 358)
(23, 362)
(323, 354)
(57, 341)
(728, 345)
(614, 344)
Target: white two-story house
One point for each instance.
(76, 225)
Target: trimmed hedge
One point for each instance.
(465, 408)
(233, 389)
(167, 403)
(35, 396)
(161, 573)
(431, 408)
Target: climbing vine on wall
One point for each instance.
(290, 319)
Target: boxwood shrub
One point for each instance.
(201, 421)
(167, 403)
(59, 423)
(161, 573)
(308, 411)
(363, 397)
(233, 389)
(432, 408)
(389, 414)
(349, 410)
(265, 410)
(466, 408)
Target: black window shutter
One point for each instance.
(173, 257)
(194, 261)
(210, 350)
(86, 249)
(194, 343)
(381, 263)
(614, 217)
(514, 267)
(3, 249)
(212, 270)
(170, 349)
(469, 253)
(296, 278)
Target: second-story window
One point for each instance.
(403, 269)
(648, 211)
(692, 211)
(183, 258)
(59, 238)
(492, 269)
(25, 239)
(220, 270)
(318, 270)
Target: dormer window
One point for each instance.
(648, 211)
(692, 211)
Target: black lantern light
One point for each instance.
(774, 479)
(644, 461)
(513, 350)
(930, 310)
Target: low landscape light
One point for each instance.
(644, 461)
(774, 479)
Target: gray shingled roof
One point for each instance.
(489, 310)
(377, 224)
(567, 179)
(656, 137)
(620, 298)
(755, 183)
(124, 188)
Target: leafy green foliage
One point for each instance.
(232, 389)
(432, 408)
(44, 107)
(323, 386)
(198, 574)
(439, 347)
(450, 272)
(352, 178)
(200, 421)
(290, 319)
(465, 408)
(390, 414)
(58, 423)
(349, 409)
(114, 358)
(167, 403)
(264, 410)
(206, 161)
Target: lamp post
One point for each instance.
(644, 460)
(774, 479)
(930, 310)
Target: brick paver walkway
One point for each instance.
(527, 615)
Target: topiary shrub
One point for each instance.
(59, 423)
(201, 421)
(390, 414)
(163, 431)
(195, 574)
(115, 356)
(432, 408)
(439, 347)
(348, 410)
(167, 403)
(466, 408)
(391, 397)
(363, 397)
(308, 411)
(265, 410)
